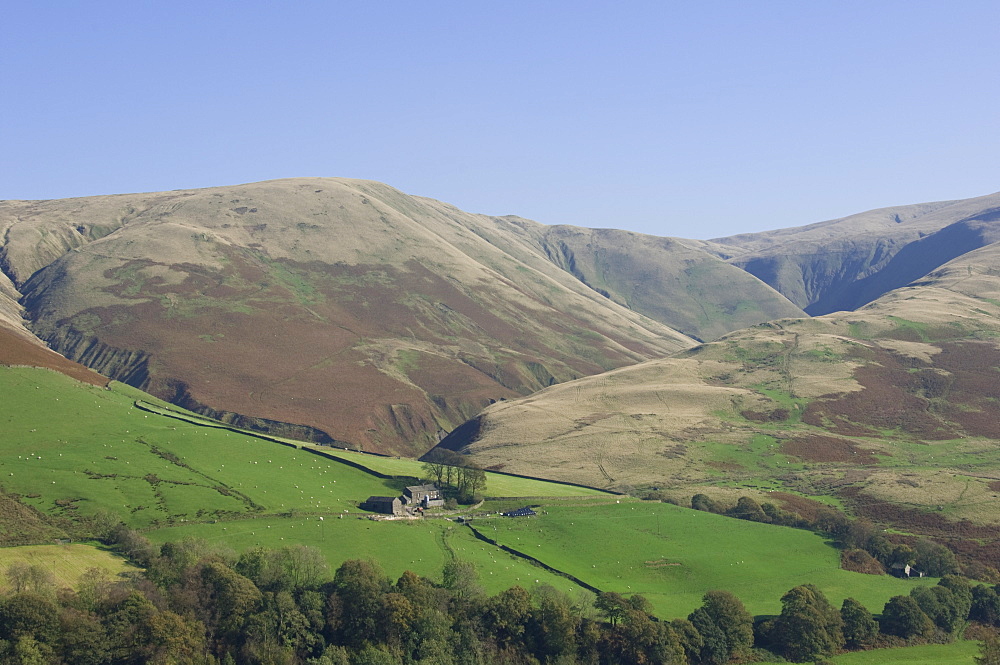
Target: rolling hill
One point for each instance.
(344, 310)
(845, 263)
(893, 409)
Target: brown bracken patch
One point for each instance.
(860, 561)
(893, 398)
(806, 508)
(725, 466)
(819, 448)
(776, 416)
(15, 350)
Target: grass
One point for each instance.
(420, 546)
(70, 449)
(957, 653)
(918, 329)
(66, 562)
(674, 555)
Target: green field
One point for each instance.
(421, 546)
(674, 555)
(66, 562)
(957, 653)
(70, 450)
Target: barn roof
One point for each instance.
(520, 512)
(382, 499)
(421, 488)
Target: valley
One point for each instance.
(240, 368)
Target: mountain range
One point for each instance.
(347, 312)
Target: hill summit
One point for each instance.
(346, 311)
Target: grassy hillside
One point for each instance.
(71, 451)
(891, 410)
(665, 279)
(67, 563)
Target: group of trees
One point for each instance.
(199, 604)
(867, 549)
(452, 471)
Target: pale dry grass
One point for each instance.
(953, 494)
(67, 563)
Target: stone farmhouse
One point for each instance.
(425, 496)
(414, 498)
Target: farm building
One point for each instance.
(520, 512)
(904, 570)
(390, 505)
(427, 496)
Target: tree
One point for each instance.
(354, 606)
(228, 599)
(961, 590)
(713, 648)
(705, 503)
(552, 624)
(471, 480)
(934, 559)
(903, 617)
(434, 472)
(82, 638)
(689, 639)
(902, 555)
(809, 628)
(29, 614)
(732, 618)
(24, 577)
(726, 628)
(506, 614)
(748, 509)
(461, 578)
(989, 650)
(174, 640)
(948, 609)
(612, 605)
(985, 605)
(860, 627)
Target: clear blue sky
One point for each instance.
(693, 119)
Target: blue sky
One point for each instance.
(693, 119)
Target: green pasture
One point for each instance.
(674, 555)
(421, 546)
(74, 449)
(957, 653)
(66, 562)
(71, 449)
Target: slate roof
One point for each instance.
(520, 512)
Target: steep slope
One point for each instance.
(894, 407)
(325, 308)
(845, 263)
(19, 349)
(666, 279)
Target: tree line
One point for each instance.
(865, 548)
(456, 475)
(202, 604)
